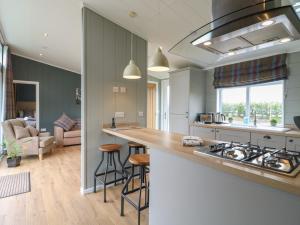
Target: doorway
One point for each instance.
(152, 105)
(27, 102)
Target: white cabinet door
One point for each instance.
(232, 135)
(203, 132)
(179, 92)
(293, 144)
(267, 140)
(179, 124)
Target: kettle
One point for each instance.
(219, 118)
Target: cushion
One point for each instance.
(32, 131)
(46, 141)
(73, 133)
(77, 125)
(65, 122)
(21, 132)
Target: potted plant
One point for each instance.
(13, 155)
(273, 122)
(3, 147)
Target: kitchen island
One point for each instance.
(189, 189)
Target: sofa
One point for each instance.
(69, 137)
(36, 144)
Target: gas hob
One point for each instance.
(280, 161)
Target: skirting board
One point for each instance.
(91, 189)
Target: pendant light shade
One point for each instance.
(159, 62)
(131, 71)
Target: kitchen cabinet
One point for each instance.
(187, 97)
(203, 132)
(293, 144)
(232, 135)
(179, 124)
(267, 140)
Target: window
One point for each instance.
(240, 105)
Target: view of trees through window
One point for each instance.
(241, 104)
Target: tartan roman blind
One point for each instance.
(251, 72)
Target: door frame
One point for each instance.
(37, 100)
(157, 111)
(165, 110)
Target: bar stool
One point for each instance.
(136, 147)
(141, 161)
(133, 147)
(109, 150)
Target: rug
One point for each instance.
(14, 184)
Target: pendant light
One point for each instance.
(131, 71)
(159, 61)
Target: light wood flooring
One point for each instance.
(55, 197)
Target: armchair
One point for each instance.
(35, 145)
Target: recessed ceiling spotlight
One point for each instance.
(267, 23)
(231, 53)
(284, 40)
(41, 54)
(132, 14)
(207, 43)
(45, 34)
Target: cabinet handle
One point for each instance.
(212, 131)
(217, 131)
(267, 137)
(291, 140)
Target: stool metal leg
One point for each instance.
(140, 194)
(96, 171)
(105, 176)
(115, 167)
(132, 174)
(119, 160)
(124, 190)
(126, 160)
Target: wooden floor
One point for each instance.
(55, 196)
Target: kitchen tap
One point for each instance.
(255, 119)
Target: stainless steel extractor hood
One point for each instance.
(243, 26)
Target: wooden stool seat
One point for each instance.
(140, 159)
(110, 147)
(135, 145)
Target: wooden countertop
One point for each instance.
(171, 143)
(265, 130)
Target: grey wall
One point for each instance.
(154, 79)
(292, 101)
(292, 88)
(106, 52)
(211, 94)
(57, 89)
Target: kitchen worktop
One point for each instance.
(266, 130)
(171, 143)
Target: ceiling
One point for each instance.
(23, 24)
(161, 22)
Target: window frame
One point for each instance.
(248, 105)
